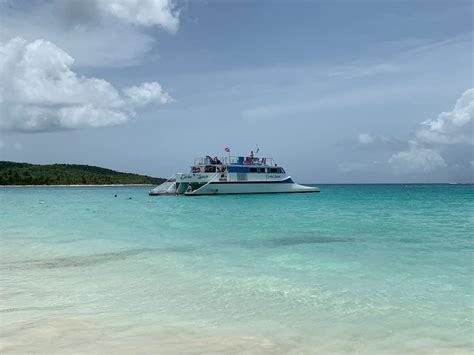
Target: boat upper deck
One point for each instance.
(235, 160)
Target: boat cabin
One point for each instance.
(234, 169)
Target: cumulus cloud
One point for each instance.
(365, 138)
(453, 127)
(143, 12)
(417, 159)
(369, 141)
(445, 141)
(93, 32)
(111, 45)
(147, 13)
(40, 92)
(147, 93)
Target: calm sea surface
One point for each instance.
(355, 269)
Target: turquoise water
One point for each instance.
(354, 269)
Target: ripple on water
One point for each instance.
(90, 260)
(310, 239)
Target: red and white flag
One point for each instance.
(227, 149)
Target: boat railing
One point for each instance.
(166, 188)
(241, 160)
(209, 161)
(213, 177)
(235, 160)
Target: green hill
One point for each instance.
(12, 173)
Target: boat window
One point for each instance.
(261, 170)
(273, 170)
(210, 169)
(238, 169)
(281, 170)
(253, 170)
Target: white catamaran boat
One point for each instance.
(231, 175)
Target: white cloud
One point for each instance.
(375, 142)
(365, 138)
(417, 159)
(147, 93)
(40, 92)
(94, 32)
(453, 127)
(113, 45)
(143, 12)
(428, 150)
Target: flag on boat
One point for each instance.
(227, 149)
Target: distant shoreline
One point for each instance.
(68, 175)
(95, 185)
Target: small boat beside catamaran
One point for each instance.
(231, 175)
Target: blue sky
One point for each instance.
(336, 91)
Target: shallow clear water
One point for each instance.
(354, 269)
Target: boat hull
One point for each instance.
(223, 188)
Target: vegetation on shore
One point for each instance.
(12, 173)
